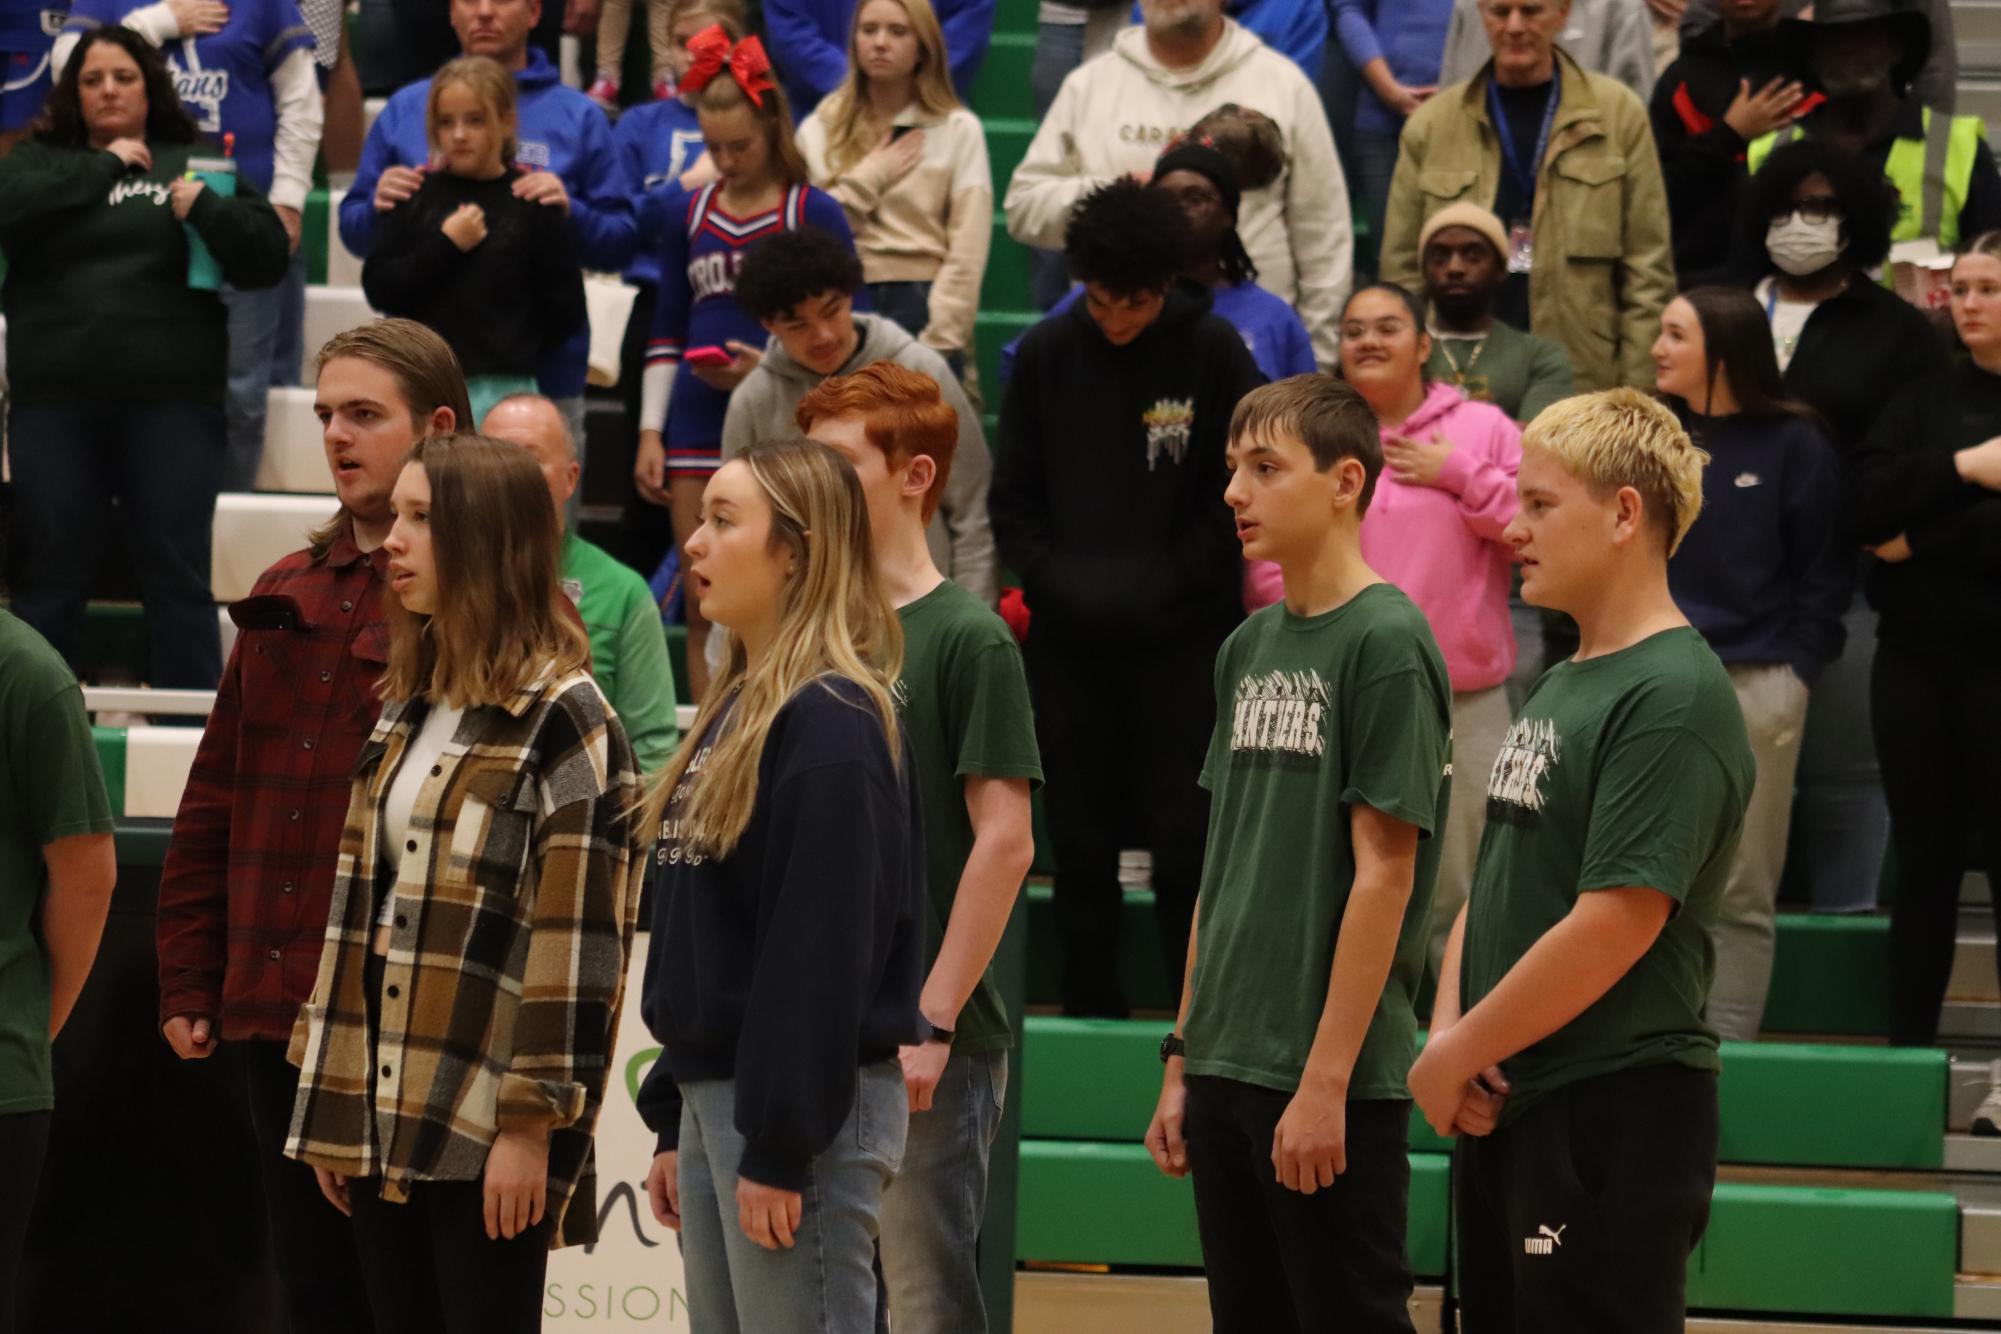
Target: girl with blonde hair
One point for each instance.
(787, 946)
(453, 1055)
(908, 164)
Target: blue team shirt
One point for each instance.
(1268, 324)
(562, 132)
(224, 79)
(28, 29)
(656, 142)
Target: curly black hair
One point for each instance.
(167, 121)
(1868, 203)
(781, 271)
(1128, 239)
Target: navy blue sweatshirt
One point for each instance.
(1947, 597)
(1763, 573)
(797, 959)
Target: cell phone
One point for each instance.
(711, 357)
(898, 131)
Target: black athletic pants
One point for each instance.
(312, 1244)
(24, 1139)
(1580, 1215)
(1937, 719)
(1123, 738)
(1282, 1262)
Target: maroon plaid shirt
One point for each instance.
(249, 874)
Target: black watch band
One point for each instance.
(938, 1034)
(1171, 1046)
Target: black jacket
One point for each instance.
(1857, 350)
(1947, 596)
(1107, 495)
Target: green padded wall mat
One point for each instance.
(1804, 1251)
(111, 759)
(1004, 88)
(315, 235)
(1831, 974)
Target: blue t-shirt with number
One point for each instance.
(224, 79)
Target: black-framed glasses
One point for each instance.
(1820, 208)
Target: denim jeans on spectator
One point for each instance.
(1059, 48)
(931, 1216)
(256, 348)
(909, 304)
(1841, 823)
(162, 463)
(290, 357)
(826, 1280)
(1375, 159)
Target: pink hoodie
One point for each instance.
(1441, 544)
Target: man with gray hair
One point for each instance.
(628, 642)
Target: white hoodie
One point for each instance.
(1115, 115)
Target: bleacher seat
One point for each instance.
(294, 457)
(332, 310)
(157, 760)
(252, 531)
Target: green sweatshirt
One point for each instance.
(628, 648)
(96, 294)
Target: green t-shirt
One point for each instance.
(628, 648)
(965, 705)
(50, 788)
(1631, 769)
(1314, 715)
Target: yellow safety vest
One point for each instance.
(1931, 175)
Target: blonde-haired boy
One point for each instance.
(1568, 1048)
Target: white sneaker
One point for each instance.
(1987, 1117)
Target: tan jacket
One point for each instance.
(1603, 269)
(935, 225)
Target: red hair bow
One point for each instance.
(746, 62)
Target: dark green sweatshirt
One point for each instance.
(97, 297)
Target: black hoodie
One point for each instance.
(1107, 496)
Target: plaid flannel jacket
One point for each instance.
(513, 919)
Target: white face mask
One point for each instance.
(1800, 247)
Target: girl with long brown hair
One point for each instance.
(908, 163)
(787, 940)
(454, 1053)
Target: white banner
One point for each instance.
(630, 1279)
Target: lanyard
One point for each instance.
(1511, 158)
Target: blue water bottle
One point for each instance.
(217, 174)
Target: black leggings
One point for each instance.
(1937, 719)
(24, 1139)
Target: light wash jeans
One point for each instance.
(825, 1283)
(1841, 823)
(931, 1216)
(256, 348)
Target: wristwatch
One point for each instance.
(1171, 1046)
(938, 1034)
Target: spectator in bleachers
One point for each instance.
(1116, 115)
(614, 27)
(1865, 55)
(1464, 250)
(909, 165)
(1565, 159)
(761, 190)
(1734, 82)
(628, 641)
(1608, 37)
(116, 362)
(245, 72)
(1817, 220)
(800, 286)
(57, 869)
(660, 146)
(811, 41)
(444, 256)
(249, 873)
(340, 86)
(973, 755)
(1765, 579)
(454, 1055)
(1937, 83)
(788, 920)
(25, 77)
(1108, 504)
(1925, 496)
(1568, 1049)
(1397, 46)
(1434, 530)
(565, 143)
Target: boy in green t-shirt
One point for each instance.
(1582, 960)
(1329, 769)
(964, 699)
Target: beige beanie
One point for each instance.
(1464, 215)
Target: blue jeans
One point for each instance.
(1841, 822)
(931, 1215)
(1059, 48)
(257, 347)
(161, 463)
(909, 304)
(1375, 158)
(826, 1281)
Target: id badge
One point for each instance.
(1521, 248)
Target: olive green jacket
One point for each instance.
(1603, 267)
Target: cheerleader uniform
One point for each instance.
(697, 308)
